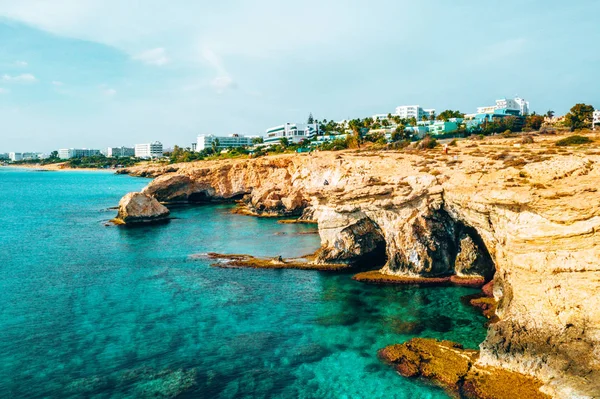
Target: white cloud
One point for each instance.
(223, 80)
(109, 92)
(23, 78)
(21, 63)
(157, 56)
(3, 91)
(57, 83)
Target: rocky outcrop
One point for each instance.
(454, 368)
(138, 208)
(529, 217)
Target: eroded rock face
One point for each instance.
(136, 208)
(538, 231)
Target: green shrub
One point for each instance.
(573, 140)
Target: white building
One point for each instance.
(30, 156)
(523, 105)
(68, 153)
(294, 132)
(596, 118)
(511, 104)
(120, 152)
(222, 142)
(15, 156)
(413, 111)
(149, 150)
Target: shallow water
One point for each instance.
(105, 312)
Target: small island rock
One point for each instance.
(137, 208)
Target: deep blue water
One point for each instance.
(93, 311)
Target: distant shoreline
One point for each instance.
(57, 168)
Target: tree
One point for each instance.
(215, 145)
(354, 141)
(550, 114)
(579, 117)
(399, 133)
(258, 140)
(385, 123)
(54, 154)
(447, 114)
(412, 121)
(284, 142)
(424, 118)
(534, 122)
(311, 120)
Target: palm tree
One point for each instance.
(550, 114)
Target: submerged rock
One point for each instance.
(136, 208)
(454, 368)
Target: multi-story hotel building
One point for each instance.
(120, 152)
(294, 132)
(68, 153)
(205, 141)
(149, 150)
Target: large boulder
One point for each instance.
(135, 208)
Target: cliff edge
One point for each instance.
(526, 215)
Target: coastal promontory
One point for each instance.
(523, 215)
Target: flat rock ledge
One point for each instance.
(454, 368)
(248, 261)
(139, 208)
(378, 278)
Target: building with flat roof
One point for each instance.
(68, 153)
(4, 156)
(120, 152)
(205, 141)
(294, 132)
(149, 150)
(414, 111)
(596, 118)
(15, 156)
(516, 106)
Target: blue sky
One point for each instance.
(98, 73)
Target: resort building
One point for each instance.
(30, 156)
(441, 127)
(68, 153)
(222, 142)
(516, 106)
(149, 150)
(118, 152)
(596, 118)
(294, 132)
(414, 111)
(15, 156)
(4, 156)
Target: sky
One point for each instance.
(99, 73)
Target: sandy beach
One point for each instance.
(57, 167)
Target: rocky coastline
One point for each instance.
(526, 217)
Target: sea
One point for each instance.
(92, 310)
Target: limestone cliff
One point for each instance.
(527, 215)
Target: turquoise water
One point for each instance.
(93, 311)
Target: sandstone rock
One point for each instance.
(135, 208)
(543, 242)
(472, 260)
(454, 368)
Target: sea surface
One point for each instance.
(95, 311)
